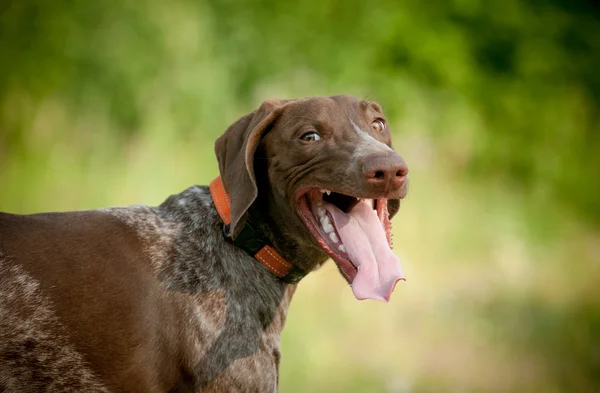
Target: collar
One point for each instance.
(251, 241)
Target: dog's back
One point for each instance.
(74, 284)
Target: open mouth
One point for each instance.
(356, 233)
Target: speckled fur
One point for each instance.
(251, 316)
(35, 353)
(156, 235)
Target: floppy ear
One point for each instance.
(235, 152)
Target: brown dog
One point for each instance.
(168, 298)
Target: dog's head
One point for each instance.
(326, 177)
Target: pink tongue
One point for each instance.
(366, 244)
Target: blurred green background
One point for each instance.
(494, 105)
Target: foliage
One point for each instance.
(495, 106)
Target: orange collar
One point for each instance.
(252, 241)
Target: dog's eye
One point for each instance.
(311, 137)
(378, 125)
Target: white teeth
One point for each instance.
(325, 223)
(342, 248)
(325, 191)
(321, 211)
(333, 237)
(357, 198)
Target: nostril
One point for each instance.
(379, 175)
(403, 171)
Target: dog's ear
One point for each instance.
(235, 151)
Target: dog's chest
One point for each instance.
(231, 350)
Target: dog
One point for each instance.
(192, 295)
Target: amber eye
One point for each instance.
(378, 125)
(311, 137)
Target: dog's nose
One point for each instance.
(385, 172)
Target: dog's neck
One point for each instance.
(201, 260)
